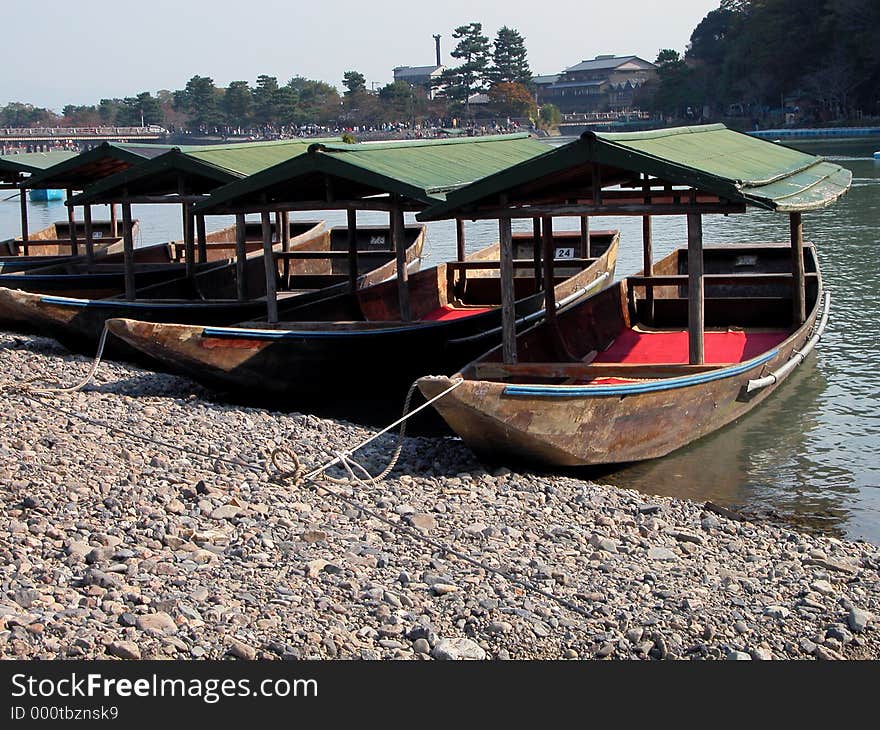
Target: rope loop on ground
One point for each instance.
(27, 385)
(344, 458)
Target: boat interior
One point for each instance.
(455, 290)
(317, 258)
(54, 241)
(633, 331)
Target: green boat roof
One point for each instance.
(711, 158)
(11, 166)
(203, 168)
(81, 170)
(421, 171)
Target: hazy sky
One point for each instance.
(54, 52)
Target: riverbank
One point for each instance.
(183, 546)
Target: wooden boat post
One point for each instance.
(285, 241)
(548, 257)
(114, 226)
(24, 218)
(90, 243)
(240, 257)
(189, 240)
(508, 297)
(798, 295)
(648, 251)
(459, 239)
(585, 237)
(696, 324)
(128, 250)
(352, 250)
(271, 270)
(536, 252)
(398, 241)
(71, 223)
(202, 238)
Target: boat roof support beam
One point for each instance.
(398, 242)
(508, 300)
(352, 250)
(128, 252)
(241, 284)
(271, 270)
(71, 224)
(799, 294)
(696, 322)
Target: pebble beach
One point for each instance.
(139, 520)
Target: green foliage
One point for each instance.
(264, 100)
(354, 82)
(473, 48)
(549, 115)
(237, 103)
(199, 101)
(349, 138)
(16, 114)
(509, 59)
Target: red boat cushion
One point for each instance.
(672, 347)
(447, 312)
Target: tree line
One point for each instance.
(754, 58)
(266, 106)
(750, 58)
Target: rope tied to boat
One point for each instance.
(28, 384)
(343, 458)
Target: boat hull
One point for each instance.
(78, 323)
(359, 361)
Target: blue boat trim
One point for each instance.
(66, 301)
(235, 332)
(568, 391)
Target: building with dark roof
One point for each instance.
(425, 77)
(605, 83)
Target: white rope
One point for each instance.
(343, 458)
(28, 384)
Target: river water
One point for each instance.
(811, 452)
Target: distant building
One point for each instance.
(420, 76)
(605, 83)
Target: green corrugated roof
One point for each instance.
(203, 167)
(712, 158)
(32, 162)
(247, 158)
(418, 170)
(85, 168)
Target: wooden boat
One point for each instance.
(626, 393)
(210, 297)
(357, 348)
(52, 245)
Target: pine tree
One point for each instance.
(237, 104)
(473, 48)
(509, 62)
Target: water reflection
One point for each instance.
(764, 461)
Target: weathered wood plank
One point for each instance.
(508, 298)
(128, 251)
(696, 310)
(799, 294)
(241, 287)
(398, 240)
(90, 243)
(271, 270)
(352, 251)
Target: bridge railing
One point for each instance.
(43, 132)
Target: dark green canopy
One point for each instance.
(420, 171)
(736, 167)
